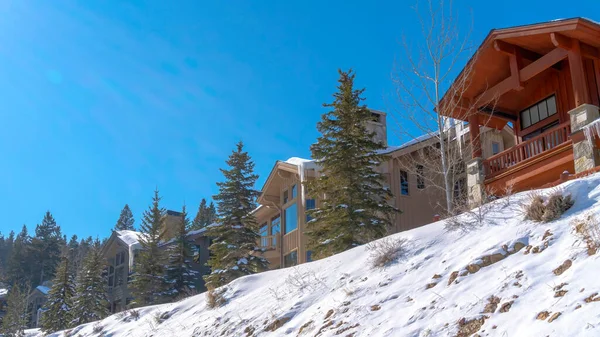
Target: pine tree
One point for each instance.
(91, 303)
(355, 209)
(18, 264)
(234, 248)
(179, 274)
(14, 321)
(200, 219)
(58, 310)
(148, 283)
(72, 249)
(126, 220)
(46, 246)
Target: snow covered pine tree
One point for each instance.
(234, 248)
(355, 209)
(91, 303)
(179, 274)
(58, 313)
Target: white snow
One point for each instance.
(303, 165)
(591, 130)
(3, 292)
(132, 240)
(344, 294)
(43, 289)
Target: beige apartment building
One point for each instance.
(283, 203)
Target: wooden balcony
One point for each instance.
(270, 242)
(526, 151)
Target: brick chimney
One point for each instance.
(170, 224)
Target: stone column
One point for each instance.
(475, 178)
(585, 154)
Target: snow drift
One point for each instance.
(502, 277)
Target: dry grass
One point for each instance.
(386, 251)
(541, 209)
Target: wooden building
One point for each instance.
(544, 80)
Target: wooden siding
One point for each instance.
(290, 241)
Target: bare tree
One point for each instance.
(420, 78)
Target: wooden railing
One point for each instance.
(528, 149)
(290, 241)
(269, 242)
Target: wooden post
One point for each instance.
(474, 132)
(580, 88)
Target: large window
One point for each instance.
(495, 148)
(403, 183)
(275, 228)
(310, 204)
(291, 218)
(538, 112)
(294, 191)
(264, 232)
(420, 177)
(291, 259)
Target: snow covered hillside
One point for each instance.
(507, 277)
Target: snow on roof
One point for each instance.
(3, 292)
(43, 289)
(194, 232)
(129, 237)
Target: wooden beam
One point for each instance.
(561, 41)
(568, 43)
(516, 63)
(500, 113)
(474, 133)
(580, 88)
(543, 63)
(525, 74)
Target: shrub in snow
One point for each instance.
(588, 228)
(135, 314)
(303, 279)
(386, 251)
(215, 297)
(98, 328)
(541, 210)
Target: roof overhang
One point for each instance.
(509, 60)
(270, 191)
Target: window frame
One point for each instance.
(551, 118)
(404, 181)
(295, 252)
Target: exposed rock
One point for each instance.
(278, 323)
(305, 326)
(563, 267)
(506, 306)
(375, 307)
(430, 285)
(473, 268)
(560, 293)
(592, 298)
(452, 277)
(328, 314)
(553, 317)
(543, 315)
(578, 306)
(436, 276)
(547, 234)
(464, 273)
(468, 328)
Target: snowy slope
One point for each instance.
(345, 296)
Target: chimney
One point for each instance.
(170, 224)
(378, 125)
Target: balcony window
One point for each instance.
(403, 183)
(495, 148)
(538, 112)
(291, 259)
(291, 218)
(294, 191)
(285, 197)
(264, 232)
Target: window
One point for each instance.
(308, 256)
(120, 259)
(111, 276)
(403, 183)
(291, 218)
(275, 228)
(420, 177)
(285, 197)
(495, 148)
(538, 112)
(291, 259)
(119, 276)
(310, 204)
(264, 232)
(294, 192)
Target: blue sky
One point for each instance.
(102, 101)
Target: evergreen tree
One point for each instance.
(234, 248)
(126, 220)
(58, 310)
(355, 209)
(148, 282)
(15, 320)
(72, 249)
(211, 214)
(82, 250)
(200, 219)
(179, 274)
(46, 246)
(90, 303)
(18, 264)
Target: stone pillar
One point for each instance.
(585, 155)
(475, 178)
